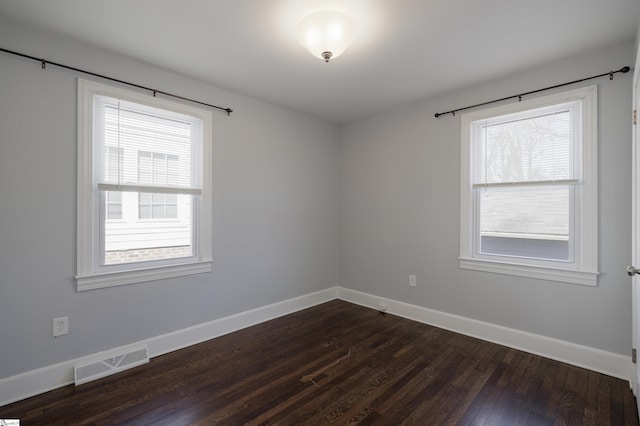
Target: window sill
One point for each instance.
(111, 279)
(532, 271)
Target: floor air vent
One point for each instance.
(105, 367)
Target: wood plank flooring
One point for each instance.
(339, 363)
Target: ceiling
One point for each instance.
(406, 51)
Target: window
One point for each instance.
(144, 187)
(157, 168)
(113, 159)
(114, 205)
(529, 188)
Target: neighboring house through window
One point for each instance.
(158, 168)
(144, 187)
(529, 188)
(113, 158)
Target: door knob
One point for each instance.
(632, 271)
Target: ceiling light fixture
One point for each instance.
(326, 34)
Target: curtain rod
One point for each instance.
(44, 63)
(610, 74)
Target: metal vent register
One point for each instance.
(105, 367)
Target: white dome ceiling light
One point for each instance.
(326, 34)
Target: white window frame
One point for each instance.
(583, 268)
(92, 275)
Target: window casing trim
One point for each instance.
(89, 274)
(588, 278)
(132, 276)
(583, 268)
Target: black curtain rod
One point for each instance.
(44, 63)
(610, 74)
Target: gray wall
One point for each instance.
(299, 206)
(400, 201)
(275, 211)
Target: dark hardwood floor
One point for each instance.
(343, 364)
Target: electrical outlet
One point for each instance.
(412, 280)
(60, 326)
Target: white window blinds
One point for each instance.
(133, 131)
(532, 148)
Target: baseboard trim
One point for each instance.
(34, 382)
(598, 360)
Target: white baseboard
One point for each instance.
(34, 382)
(44, 379)
(608, 363)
